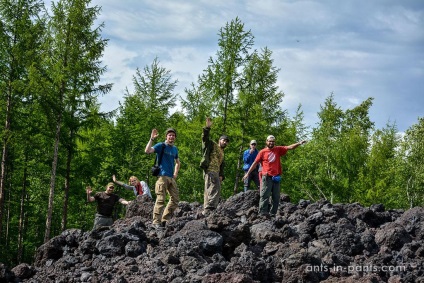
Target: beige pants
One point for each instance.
(165, 184)
(212, 191)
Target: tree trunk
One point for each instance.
(237, 178)
(240, 159)
(53, 179)
(22, 214)
(4, 156)
(67, 183)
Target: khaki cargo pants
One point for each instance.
(160, 212)
(212, 192)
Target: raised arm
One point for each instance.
(125, 186)
(89, 197)
(206, 130)
(149, 147)
(116, 181)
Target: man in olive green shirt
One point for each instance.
(213, 168)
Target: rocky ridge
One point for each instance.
(304, 242)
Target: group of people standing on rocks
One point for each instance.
(266, 177)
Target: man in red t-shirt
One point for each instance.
(269, 158)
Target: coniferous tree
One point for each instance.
(148, 107)
(68, 76)
(377, 178)
(223, 73)
(258, 106)
(323, 172)
(81, 101)
(20, 31)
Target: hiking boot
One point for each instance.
(157, 226)
(265, 216)
(199, 215)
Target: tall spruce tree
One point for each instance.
(148, 107)
(258, 107)
(70, 71)
(20, 31)
(220, 78)
(239, 89)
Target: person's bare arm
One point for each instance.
(124, 202)
(293, 146)
(149, 147)
(177, 168)
(89, 197)
(208, 122)
(116, 181)
(252, 167)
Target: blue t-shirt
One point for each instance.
(170, 154)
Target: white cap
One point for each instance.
(253, 141)
(270, 137)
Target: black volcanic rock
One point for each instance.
(304, 242)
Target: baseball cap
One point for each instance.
(111, 184)
(171, 130)
(224, 137)
(270, 137)
(253, 142)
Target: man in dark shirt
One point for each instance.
(105, 203)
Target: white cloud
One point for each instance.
(354, 48)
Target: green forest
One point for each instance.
(55, 140)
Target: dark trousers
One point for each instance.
(253, 176)
(269, 190)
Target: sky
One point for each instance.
(353, 49)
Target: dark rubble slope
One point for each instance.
(305, 242)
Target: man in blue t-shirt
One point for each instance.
(249, 156)
(169, 167)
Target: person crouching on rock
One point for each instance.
(105, 203)
(138, 187)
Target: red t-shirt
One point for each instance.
(270, 160)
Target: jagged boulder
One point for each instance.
(304, 242)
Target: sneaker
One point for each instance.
(102, 228)
(207, 211)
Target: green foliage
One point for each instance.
(54, 87)
(411, 165)
(147, 108)
(378, 173)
